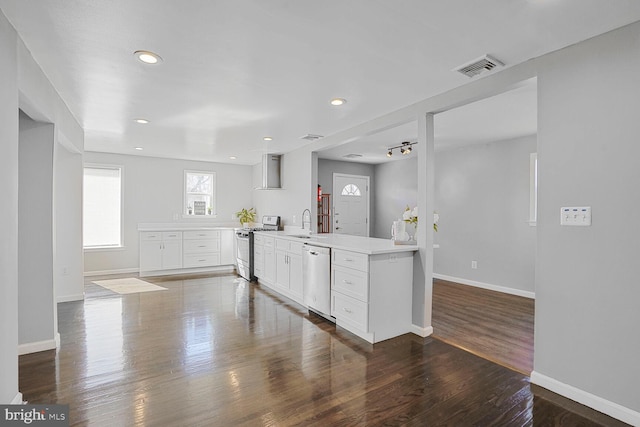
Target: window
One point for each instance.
(351, 190)
(199, 193)
(533, 188)
(102, 206)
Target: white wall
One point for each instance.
(482, 197)
(396, 188)
(68, 265)
(8, 213)
(153, 192)
(587, 291)
(326, 169)
(37, 311)
(298, 171)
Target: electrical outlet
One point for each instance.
(474, 264)
(65, 271)
(293, 220)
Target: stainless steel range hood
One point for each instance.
(271, 172)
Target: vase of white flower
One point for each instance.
(410, 216)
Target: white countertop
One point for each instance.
(365, 245)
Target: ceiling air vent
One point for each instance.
(352, 156)
(478, 66)
(311, 137)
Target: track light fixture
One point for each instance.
(405, 148)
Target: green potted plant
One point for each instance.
(246, 216)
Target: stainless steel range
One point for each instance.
(244, 244)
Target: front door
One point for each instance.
(351, 204)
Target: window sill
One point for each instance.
(187, 216)
(104, 248)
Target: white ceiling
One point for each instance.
(509, 115)
(237, 70)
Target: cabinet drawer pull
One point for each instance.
(347, 282)
(348, 259)
(347, 310)
(202, 246)
(201, 260)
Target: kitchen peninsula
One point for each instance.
(371, 279)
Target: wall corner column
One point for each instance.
(423, 259)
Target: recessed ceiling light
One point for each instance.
(141, 121)
(267, 138)
(147, 57)
(139, 148)
(232, 157)
(338, 101)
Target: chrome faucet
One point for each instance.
(309, 216)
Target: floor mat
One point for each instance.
(128, 285)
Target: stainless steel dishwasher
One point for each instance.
(316, 279)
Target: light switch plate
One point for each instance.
(575, 216)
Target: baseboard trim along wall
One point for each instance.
(503, 289)
(68, 298)
(599, 404)
(108, 272)
(34, 347)
(17, 400)
(422, 332)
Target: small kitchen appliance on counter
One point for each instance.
(244, 245)
(399, 233)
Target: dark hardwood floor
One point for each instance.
(493, 325)
(217, 351)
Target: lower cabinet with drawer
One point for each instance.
(371, 294)
(201, 248)
(185, 251)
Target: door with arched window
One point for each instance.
(351, 204)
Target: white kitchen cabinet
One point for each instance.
(227, 251)
(264, 259)
(190, 250)
(269, 269)
(160, 250)
(371, 294)
(201, 248)
(258, 260)
(288, 257)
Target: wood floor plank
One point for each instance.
(493, 325)
(217, 351)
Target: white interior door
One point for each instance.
(351, 204)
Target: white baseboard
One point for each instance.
(503, 289)
(57, 340)
(17, 400)
(612, 409)
(34, 347)
(422, 332)
(108, 272)
(203, 270)
(68, 298)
